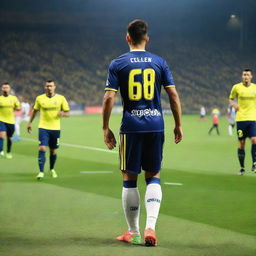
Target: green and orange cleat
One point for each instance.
(150, 237)
(130, 238)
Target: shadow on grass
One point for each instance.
(199, 248)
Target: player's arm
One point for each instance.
(232, 96)
(64, 108)
(17, 106)
(64, 114)
(32, 117)
(233, 104)
(176, 110)
(107, 105)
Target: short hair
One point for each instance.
(247, 70)
(137, 29)
(50, 81)
(5, 83)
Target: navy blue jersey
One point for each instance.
(139, 75)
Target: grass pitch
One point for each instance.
(211, 213)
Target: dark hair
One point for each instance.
(49, 81)
(6, 83)
(247, 70)
(137, 29)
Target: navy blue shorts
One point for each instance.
(8, 128)
(49, 138)
(141, 151)
(246, 129)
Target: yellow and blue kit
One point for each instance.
(49, 123)
(246, 115)
(7, 119)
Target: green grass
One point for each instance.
(213, 213)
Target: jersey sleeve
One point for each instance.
(233, 93)
(112, 83)
(64, 105)
(16, 103)
(37, 104)
(167, 78)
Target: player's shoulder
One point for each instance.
(60, 96)
(238, 85)
(41, 96)
(119, 59)
(13, 97)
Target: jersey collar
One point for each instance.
(137, 50)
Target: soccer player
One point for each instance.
(21, 116)
(140, 75)
(8, 104)
(245, 92)
(52, 107)
(231, 116)
(202, 113)
(215, 121)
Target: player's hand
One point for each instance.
(61, 113)
(109, 138)
(178, 134)
(29, 128)
(235, 106)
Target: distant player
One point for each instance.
(52, 107)
(21, 116)
(202, 113)
(8, 104)
(231, 116)
(245, 93)
(215, 121)
(140, 75)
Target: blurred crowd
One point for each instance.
(203, 72)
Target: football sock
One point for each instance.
(153, 199)
(41, 160)
(253, 151)
(9, 145)
(52, 160)
(230, 130)
(1, 144)
(241, 156)
(131, 205)
(17, 129)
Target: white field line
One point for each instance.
(79, 146)
(173, 184)
(93, 172)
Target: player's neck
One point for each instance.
(5, 94)
(50, 95)
(247, 84)
(138, 47)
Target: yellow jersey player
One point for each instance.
(8, 104)
(245, 92)
(52, 107)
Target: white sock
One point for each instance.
(230, 130)
(131, 206)
(153, 199)
(17, 129)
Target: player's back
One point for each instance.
(140, 76)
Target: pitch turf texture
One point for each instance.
(212, 213)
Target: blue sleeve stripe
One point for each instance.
(110, 89)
